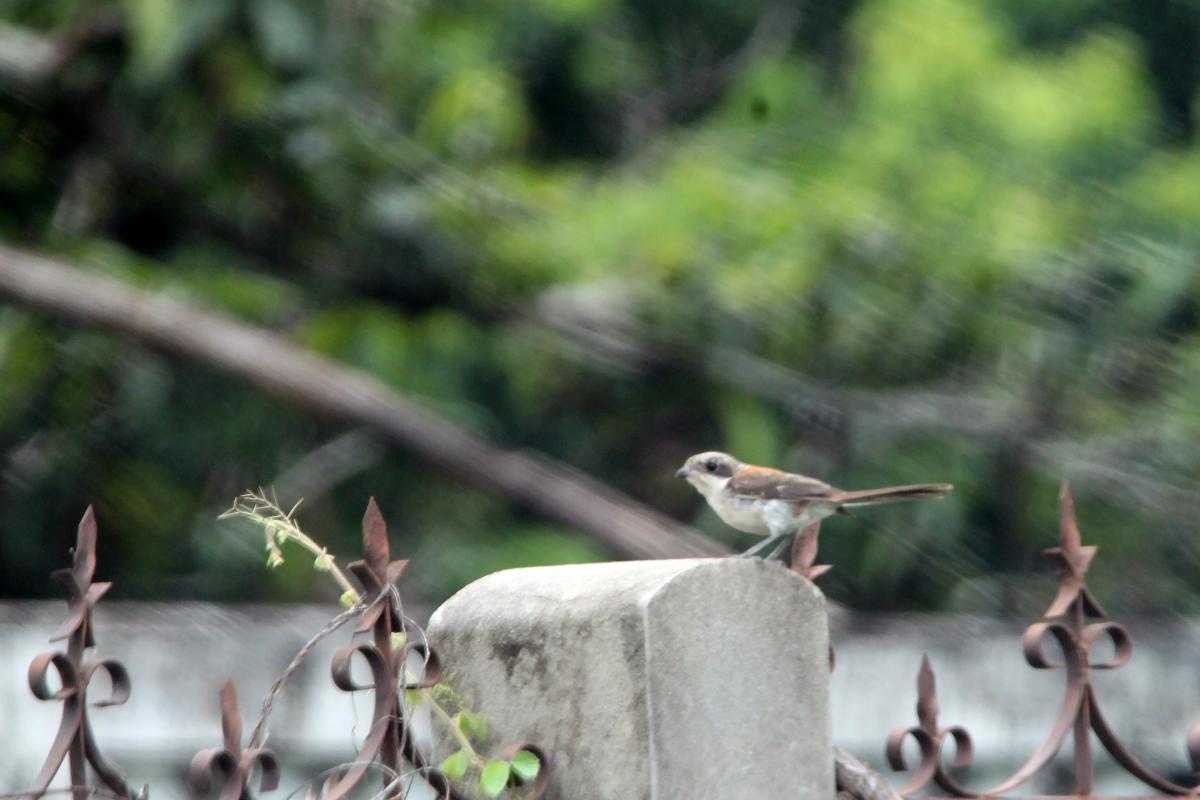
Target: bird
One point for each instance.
(776, 504)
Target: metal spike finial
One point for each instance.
(1066, 625)
(1071, 559)
(804, 553)
(376, 552)
(927, 701)
(75, 743)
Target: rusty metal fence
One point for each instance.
(1075, 622)
(389, 644)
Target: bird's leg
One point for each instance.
(779, 526)
(784, 546)
(761, 546)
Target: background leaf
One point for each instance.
(893, 241)
(494, 778)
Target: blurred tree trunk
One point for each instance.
(268, 361)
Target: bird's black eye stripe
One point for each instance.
(711, 465)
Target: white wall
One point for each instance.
(178, 655)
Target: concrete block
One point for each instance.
(705, 679)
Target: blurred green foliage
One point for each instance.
(962, 234)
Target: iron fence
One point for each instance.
(388, 642)
(399, 660)
(1066, 623)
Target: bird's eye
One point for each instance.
(711, 465)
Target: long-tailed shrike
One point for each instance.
(776, 504)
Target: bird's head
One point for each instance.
(708, 471)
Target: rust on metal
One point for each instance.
(398, 660)
(1066, 621)
(74, 742)
(231, 763)
(387, 655)
(803, 561)
(804, 553)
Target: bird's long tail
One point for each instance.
(892, 494)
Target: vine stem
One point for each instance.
(334, 570)
(251, 506)
(267, 513)
(460, 737)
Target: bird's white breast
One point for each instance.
(748, 514)
(742, 513)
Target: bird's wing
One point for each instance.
(772, 484)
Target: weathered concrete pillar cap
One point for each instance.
(698, 678)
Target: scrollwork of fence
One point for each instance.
(388, 642)
(399, 660)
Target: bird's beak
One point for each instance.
(682, 472)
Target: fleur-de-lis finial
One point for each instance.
(388, 740)
(76, 583)
(234, 765)
(75, 743)
(929, 738)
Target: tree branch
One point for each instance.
(268, 361)
(26, 57)
(598, 325)
(323, 468)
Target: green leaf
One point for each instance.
(494, 779)
(413, 697)
(154, 24)
(749, 426)
(284, 31)
(456, 765)
(348, 598)
(526, 765)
